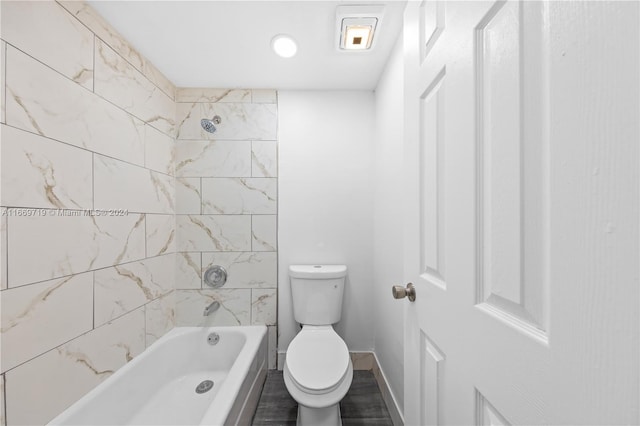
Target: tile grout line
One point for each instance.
(4, 398)
(6, 252)
(118, 53)
(82, 86)
(73, 338)
(4, 65)
(93, 319)
(88, 271)
(93, 71)
(88, 150)
(93, 181)
(146, 252)
(146, 234)
(144, 312)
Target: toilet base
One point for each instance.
(327, 416)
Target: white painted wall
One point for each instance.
(387, 220)
(326, 147)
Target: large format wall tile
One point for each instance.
(161, 234)
(213, 232)
(264, 159)
(123, 288)
(264, 306)
(239, 195)
(3, 248)
(50, 34)
(146, 191)
(159, 152)
(192, 94)
(92, 20)
(152, 73)
(210, 95)
(263, 233)
(80, 118)
(2, 411)
(68, 147)
(40, 172)
(51, 246)
(247, 269)
(160, 317)
(213, 158)
(89, 17)
(42, 388)
(235, 307)
(119, 82)
(229, 173)
(104, 139)
(3, 78)
(63, 307)
(240, 121)
(188, 270)
(188, 196)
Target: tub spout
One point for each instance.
(211, 308)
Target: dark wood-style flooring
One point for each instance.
(363, 404)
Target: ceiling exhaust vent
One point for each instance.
(356, 27)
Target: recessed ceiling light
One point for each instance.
(284, 45)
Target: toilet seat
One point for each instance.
(317, 359)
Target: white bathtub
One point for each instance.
(158, 386)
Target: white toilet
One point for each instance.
(317, 368)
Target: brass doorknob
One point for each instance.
(400, 292)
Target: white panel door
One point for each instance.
(521, 214)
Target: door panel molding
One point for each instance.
(432, 24)
(432, 152)
(431, 370)
(487, 414)
(512, 166)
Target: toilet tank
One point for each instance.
(316, 292)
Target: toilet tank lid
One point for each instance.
(317, 272)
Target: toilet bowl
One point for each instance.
(317, 374)
(317, 369)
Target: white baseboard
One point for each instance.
(389, 399)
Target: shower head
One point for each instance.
(210, 125)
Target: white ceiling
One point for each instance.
(227, 44)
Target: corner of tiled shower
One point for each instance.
(114, 202)
(226, 207)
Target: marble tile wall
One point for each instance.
(226, 207)
(87, 206)
(107, 222)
